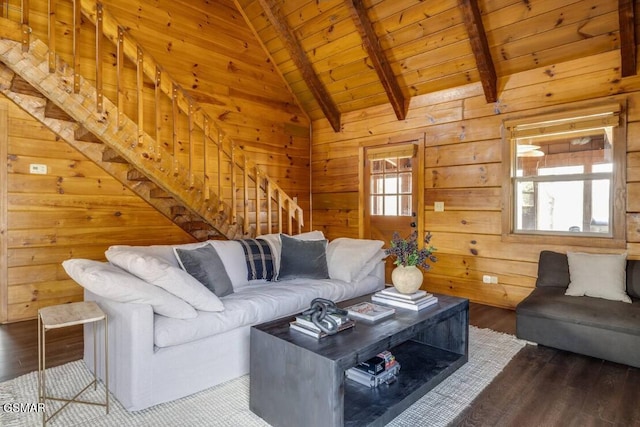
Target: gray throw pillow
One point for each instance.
(303, 259)
(205, 264)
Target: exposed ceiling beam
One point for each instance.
(480, 47)
(626, 14)
(378, 58)
(299, 57)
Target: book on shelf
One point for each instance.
(382, 361)
(416, 306)
(369, 311)
(393, 292)
(385, 377)
(305, 320)
(317, 333)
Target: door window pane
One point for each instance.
(391, 186)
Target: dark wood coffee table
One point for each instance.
(297, 380)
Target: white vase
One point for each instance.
(406, 280)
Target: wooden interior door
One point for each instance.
(391, 187)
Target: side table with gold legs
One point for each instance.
(60, 316)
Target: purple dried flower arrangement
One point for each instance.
(407, 252)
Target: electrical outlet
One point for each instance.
(295, 199)
(438, 206)
(38, 169)
(489, 279)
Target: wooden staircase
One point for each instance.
(174, 176)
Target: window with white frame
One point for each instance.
(565, 172)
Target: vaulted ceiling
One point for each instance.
(339, 56)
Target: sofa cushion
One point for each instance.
(553, 270)
(232, 256)
(256, 304)
(552, 303)
(172, 279)
(206, 266)
(111, 282)
(259, 258)
(598, 275)
(303, 258)
(346, 257)
(164, 252)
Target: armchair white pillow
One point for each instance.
(598, 275)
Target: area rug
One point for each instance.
(228, 404)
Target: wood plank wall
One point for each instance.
(211, 52)
(208, 48)
(463, 166)
(76, 210)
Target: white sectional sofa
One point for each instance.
(156, 358)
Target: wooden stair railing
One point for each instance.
(107, 120)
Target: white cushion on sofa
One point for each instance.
(346, 257)
(232, 256)
(163, 252)
(256, 304)
(370, 265)
(172, 279)
(113, 283)
(598, 275)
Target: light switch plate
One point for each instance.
(38, 169)
(438, 206)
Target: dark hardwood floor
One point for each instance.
(541, 386)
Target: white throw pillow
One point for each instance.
(163, 252)
(370, 265)
(346, 257)
(111, 282)
(232, 256)
(172, 279)
(598, 275)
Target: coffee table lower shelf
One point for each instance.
(422, 368)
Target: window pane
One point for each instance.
(563, 206)
(405, 205)
(391, 164)
(405, 182)
(559, 205)
(377, 166)
(391, 205)
(391, 184)
(566, 153)
(376, 205)
(600, 199)
(404, 164)
(377, 184)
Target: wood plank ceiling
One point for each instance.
(339, 56)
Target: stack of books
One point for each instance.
(304, 324)
(381, 369)
(415, 301)
(370, 312)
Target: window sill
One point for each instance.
(586, 241)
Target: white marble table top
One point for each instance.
(76, 313)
